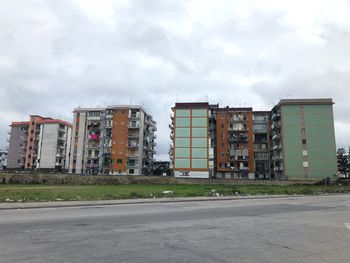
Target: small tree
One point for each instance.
(343, 161)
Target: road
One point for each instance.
(293, 229)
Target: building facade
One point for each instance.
(295, 140)
(304, 139)
(3, 159)
(191, 152)
(116, 140)
(40, 143)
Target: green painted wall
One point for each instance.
(291, 142)
(320, 141)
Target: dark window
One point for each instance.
(222, 144)
(119, 161)
(131, 171)
(119, 171)
(222, 125)
(31, 131)
(74, 161)
(304, 141)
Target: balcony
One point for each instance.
(93, 145)
(134, 126)
(276, 136)
(136, 115)
(277, 147)
(133, 135)
(277, 157)
(133, 145)
(276, 125)
(279, 168)
(61, 138)
(276, 115)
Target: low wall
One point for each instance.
(40, 178)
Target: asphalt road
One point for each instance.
(294, 229)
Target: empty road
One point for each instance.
(293, 229)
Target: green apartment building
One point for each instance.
(303, 139)
(191, 150)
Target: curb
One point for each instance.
(67, 204)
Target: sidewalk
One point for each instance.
(58, 204)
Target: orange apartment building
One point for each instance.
(116, 140)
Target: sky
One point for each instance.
(58, 55)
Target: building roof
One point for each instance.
(54, 121)
(322, 101)
(111, 107)
(44, 120)
(235, 109)
(18, 123)
(191, 105)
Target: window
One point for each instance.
(305, 164)
(302, 130)
(119, 161)
(304, 153)
(222, 126)
(222, 144)
(304, 141)
(131, 171)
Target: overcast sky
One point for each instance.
(57, 55)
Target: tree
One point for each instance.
(343, 161)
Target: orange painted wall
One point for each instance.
(120, 139)
(222, 119)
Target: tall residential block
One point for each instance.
(303, 139)
(295, 140)
(234, 143)
(40, 143)
(191, 152)
(116, 140)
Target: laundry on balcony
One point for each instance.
(94, 136)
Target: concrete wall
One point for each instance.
(81, 143)
(320, 142)
(15, 148)
(22, 178)
(68, 147)
(48, 147)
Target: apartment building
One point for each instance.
(191, 153)
(295, 140)
(116, 140)
(40, 143)
(262, 135)
(3, 159)
(304, 139)
(234, 143)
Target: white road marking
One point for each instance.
(347, 225)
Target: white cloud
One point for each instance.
(57, 55)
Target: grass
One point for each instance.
(42, 193)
